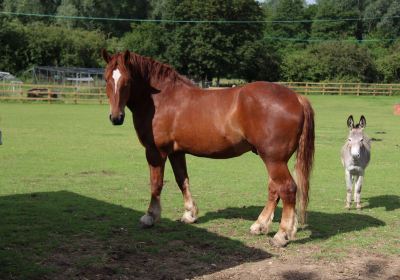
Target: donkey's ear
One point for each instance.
(127, 56)
(105, 55)
(363, 122)
(350, 122)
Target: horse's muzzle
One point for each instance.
(117, 120)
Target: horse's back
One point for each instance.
(228, 122)
(273, 117)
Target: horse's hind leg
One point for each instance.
(266, 216)
(178, 163)
(282, 181)
(349, 187)
(357, 191)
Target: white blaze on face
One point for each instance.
(116, 75)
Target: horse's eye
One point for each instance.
(362, 139)
(349, 139)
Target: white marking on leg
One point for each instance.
(261, 227)
(147, 220)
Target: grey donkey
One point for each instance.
(355, 155)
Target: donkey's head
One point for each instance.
(356, 136)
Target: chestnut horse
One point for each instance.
(173, 117)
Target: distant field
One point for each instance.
(73, 187)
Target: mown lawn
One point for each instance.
(73, 187)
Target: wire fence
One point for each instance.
(20, 92)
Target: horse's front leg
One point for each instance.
(349, 187)
(357, 191)
(178, 163)
(156, 164)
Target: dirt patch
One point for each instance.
(297, 268)
(123, 259)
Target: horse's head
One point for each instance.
(356, 136)
(118, 83)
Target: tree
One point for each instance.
(285, 13)
(389, 65)
(383, 18)
(145, 39)
(208, 50)
(336, 11)
(257, 62)
(330, 61)
(12, 41)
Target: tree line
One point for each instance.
(288, 40)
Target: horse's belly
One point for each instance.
(213, 148)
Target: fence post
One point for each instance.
(306, 89)
(100, 97)
(358, 89)
(340, 89)
(323, 89)
(391, 90)
(48, 95)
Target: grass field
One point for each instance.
(73, 187)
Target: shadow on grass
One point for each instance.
(322, 225)
(390, 202)
(63, 235)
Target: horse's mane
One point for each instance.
(150, 69)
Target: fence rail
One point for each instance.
(92, 94)
(343, 88)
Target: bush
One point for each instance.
(331, 61)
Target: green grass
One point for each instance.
(73, 187)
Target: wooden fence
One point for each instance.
(53, 93)
(91, 94)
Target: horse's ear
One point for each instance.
(363, 122)
(105, 55)
(350, 122)
(127, 56)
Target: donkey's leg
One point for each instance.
(266, 216)
(178, 163)
(156, 164)
(286, 187)
(357, 191)
(349, 187)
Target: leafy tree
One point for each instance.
(257, 62)
(288, 10)
(330, 61)
(106, 9)
(336, 10)
(389, 65)
(383, 18)
(208, 50)
(24, 46)
(145, 39)
(12, 41)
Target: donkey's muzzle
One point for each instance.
(117, 120)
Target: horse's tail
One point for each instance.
(305, 157)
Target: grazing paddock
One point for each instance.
(73, 187)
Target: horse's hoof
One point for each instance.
(280, 240)
(258, 229)
(188, 218)
(146, 221)
(278, 243)
(358, 207)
